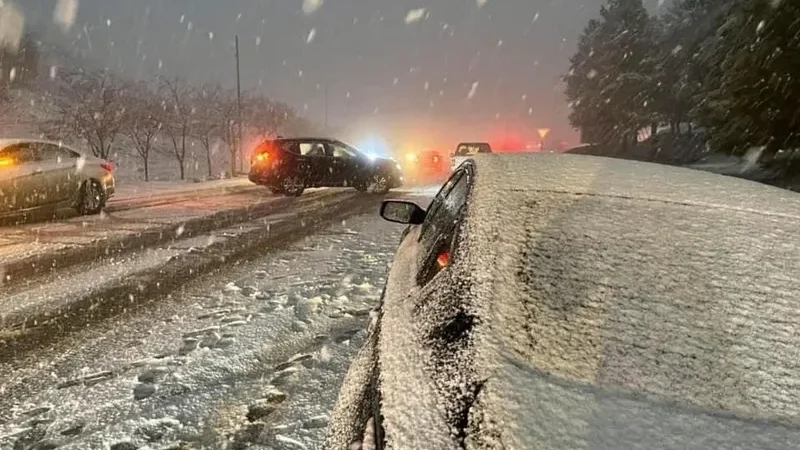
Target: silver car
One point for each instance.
(36, 173)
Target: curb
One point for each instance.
(19, 271)
(28, 330)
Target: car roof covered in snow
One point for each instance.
(632, 305)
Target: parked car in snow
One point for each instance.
(37, 173)
(289, 166)
(602, 304)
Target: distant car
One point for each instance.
(425, 167)
(289, 166)
(586, 307)
(467, 149)
(38, 173)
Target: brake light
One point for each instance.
(411, 157)
(436, 159)
(443, 260)
(109, 167)
(261, 157)
(6, 162)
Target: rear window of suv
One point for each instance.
(469, 149)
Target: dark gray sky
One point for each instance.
(377, 66)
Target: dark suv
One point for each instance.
(289, 166)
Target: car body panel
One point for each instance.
(605, 280)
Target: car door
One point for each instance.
(346, 165)
(19, 178)
(318, 162)
(59, 180)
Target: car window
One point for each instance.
(444, 206)
(342, 151)
(19, 154)
(312, 148)
(306, 148)
(469, 149)
(437, 201)
(53, 152)
(441, 225)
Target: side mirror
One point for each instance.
(400, 211)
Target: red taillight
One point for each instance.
(109, 167)
(261, 157)
(443, 260)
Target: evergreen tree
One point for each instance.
(753, 97)
(610, 83)
(688, 26)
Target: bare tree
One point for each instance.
(89, 106)
(142, 121)
(177, 110)
(208, 125)
(226, 112)
(266, 118)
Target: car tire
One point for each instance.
(92, 198)
(292, 186)
(378, 182)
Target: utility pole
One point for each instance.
(326, 107)
(239, 150)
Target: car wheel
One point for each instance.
(380, 184)
(92, 199)
(292, 186)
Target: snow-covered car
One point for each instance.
(602, 304)
(37, 173)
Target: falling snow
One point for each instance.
(311, 35)
(415, 15)
(473, 90)
(65, 13)
(311, 6)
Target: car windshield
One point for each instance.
(192, 251)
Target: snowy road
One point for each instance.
(252, 356)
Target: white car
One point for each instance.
(37, 173)
(466, 150)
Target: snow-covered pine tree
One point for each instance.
(610, 82)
